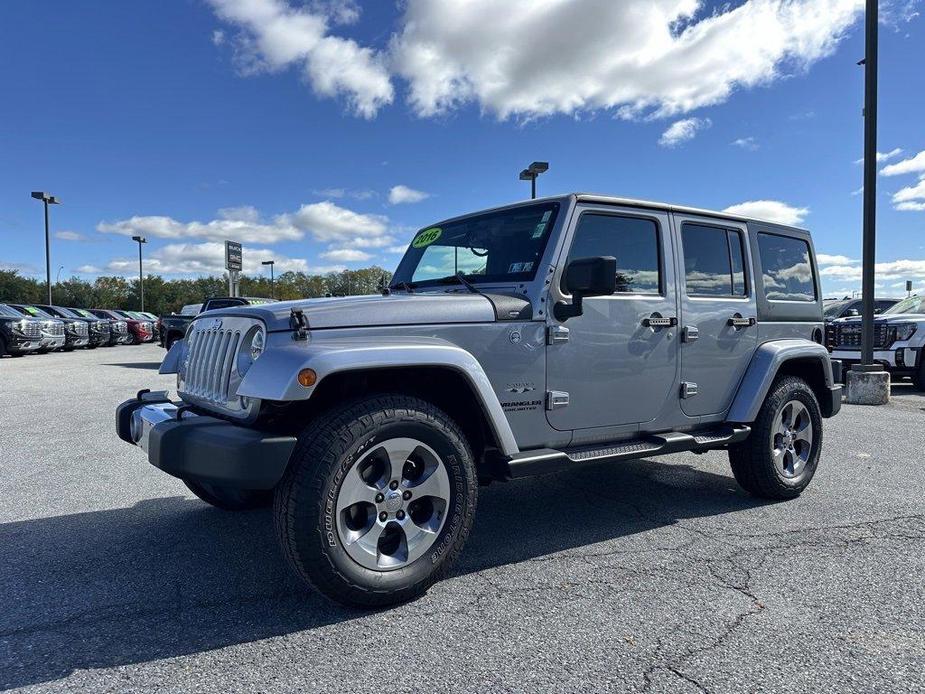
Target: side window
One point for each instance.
(633, 241)
(714, 261)
(787, 271)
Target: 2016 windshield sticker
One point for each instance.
(426, 237)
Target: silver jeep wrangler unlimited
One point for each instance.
(527, 339)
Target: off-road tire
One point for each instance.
(305, 500)
(2, 345)
(171, 341)
(752, 460)
(229, 499)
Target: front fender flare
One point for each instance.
(763, 369)
(274, 375)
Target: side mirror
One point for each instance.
(878, 311)
(852, 313)
(595, 276)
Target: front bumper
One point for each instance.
(56, 342)
(205, 449)
(22, 345)
(899, 360)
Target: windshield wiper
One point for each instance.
(458, 278)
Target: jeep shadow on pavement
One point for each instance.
(523, 340)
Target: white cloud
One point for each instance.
(770, 210)
(203, 259)
(70, 236)
(346, 255)
(903, 269)
(911, 198)
(914, 164)
(403, 194)
(89, 269)
(325, 221)
(883, 156)
(826, 259)
(682, 131)
(745, 143)
(218, 37)
(275, 35)
(345, 193)
(334, 224)
(638, 57)
(24, 268)
(397, 249)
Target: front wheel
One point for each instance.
(780, 456)
(918, 378)
(378, 500)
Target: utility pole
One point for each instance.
(47, 199)
(870, 183)
(141, 277)
(271, 263)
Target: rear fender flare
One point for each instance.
(763, 369)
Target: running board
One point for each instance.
(546, 460)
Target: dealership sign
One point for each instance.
(233, 256)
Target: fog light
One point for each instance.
(136, 427)
(307, 378)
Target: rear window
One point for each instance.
(787, 273)
(713, 261)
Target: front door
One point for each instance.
(718, 312)
(615, 368)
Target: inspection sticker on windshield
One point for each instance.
(426, 237)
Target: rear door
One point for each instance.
(718, 312)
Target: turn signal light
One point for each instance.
(307, 378)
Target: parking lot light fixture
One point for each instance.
(531, 173)
(47, 199)
(271, 263)
(141, 277)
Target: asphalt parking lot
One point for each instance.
(647, 576)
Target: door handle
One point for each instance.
(737, 321)
(655, 321)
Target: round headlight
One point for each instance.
(251, 348)
(257, 344)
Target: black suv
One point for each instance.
(76, 330)
(18, 335)
(97, 328)
(847, 308)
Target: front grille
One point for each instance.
(120, 328)
(848, 336)
(54, 329)
(79, 328)
(32, 329)
(209, 377)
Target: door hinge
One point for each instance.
(690, 333)
(556, 399)
(688, 389)
(556, 334)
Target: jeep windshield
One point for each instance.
(503, 246)
(914, 304)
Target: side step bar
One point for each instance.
(547, 460)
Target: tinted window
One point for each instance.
(8, 312)
(713, 261)
(632, 241)
(787, 271)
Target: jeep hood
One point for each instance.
(421, 308)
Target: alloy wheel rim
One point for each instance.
(392, 504)
(792, 439)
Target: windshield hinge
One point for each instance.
(299, 324)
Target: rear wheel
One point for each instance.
(228, 498)
(377, 501)
(780, 457)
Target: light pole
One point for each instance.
(141, 277)
(530, 174)
(271, 263)
(58, 275)
(47, 199)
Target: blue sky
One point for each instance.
(323, 133)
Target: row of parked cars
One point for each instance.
(29, 328)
